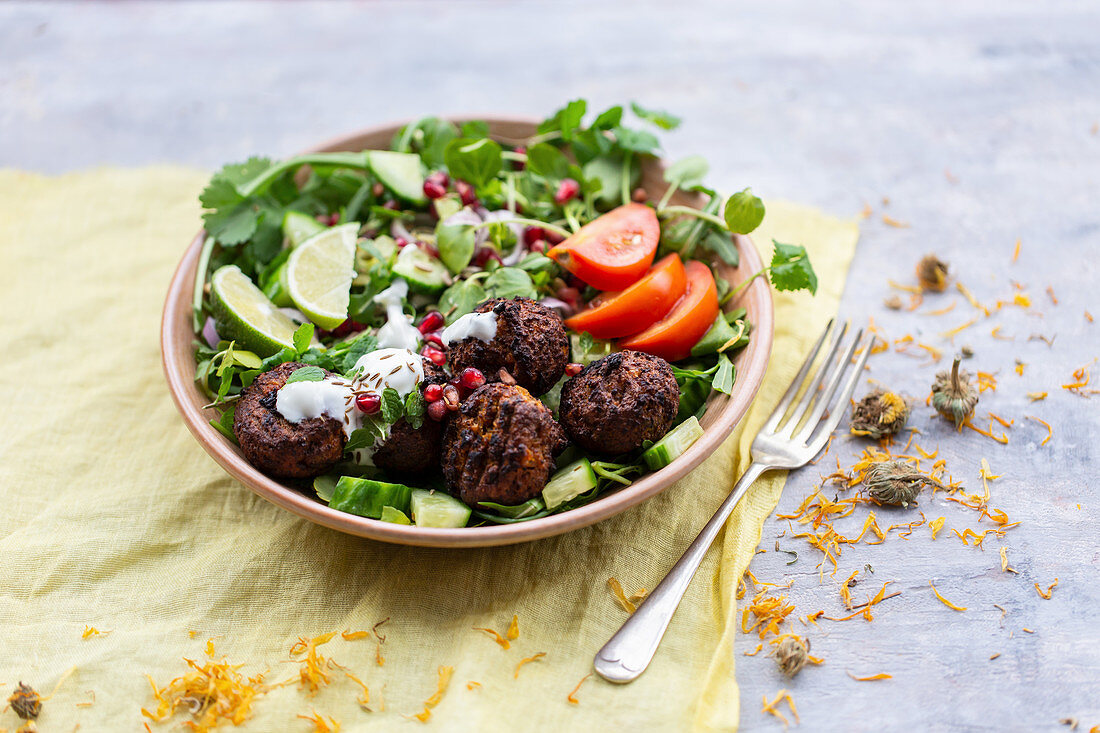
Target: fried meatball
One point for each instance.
(277, 446)
(618, 402)
(530, 343)
(412, 451)
(500, 446)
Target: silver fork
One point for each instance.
(777, 446)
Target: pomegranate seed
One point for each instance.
(440, 178)
(434, 355)
(533, 234)
(377, 190)
(573, 369)
(401, 242)
(368, 402)
(539, 245)
(391, 205)
(519, 164)
(639, 195)
(472, 378)
(451, 397)
(466, 193)
(567, 190)
(437, 410)
(484, 254)
(433, 392)
(435, 338)
(433, 190)
(569, 294)
(431, 321)
(333, 219)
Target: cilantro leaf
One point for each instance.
(302, 338)
(393, 409)
(307, 374)
(743, 212)
(724, 376)
(656, 117)
(239, 173)
(360, 346)
(232, 226)
(791, 268)
(566, 120)
(474, 161)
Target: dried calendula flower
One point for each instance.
(896, 482)
(792, 654)
(879, 414)
(953, 395)
(26, 703)
(893, 303)
(932, 273)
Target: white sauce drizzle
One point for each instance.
(482, 326)
(398, 331)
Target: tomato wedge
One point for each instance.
(636, 308)
(672, 337)
(611, 252)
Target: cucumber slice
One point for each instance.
(676, 441)
(394, 516)
(298, 227)
(424, 273)
(325, 486)
(569, 483)
(399, 172)
(437, 509)
(368, 498)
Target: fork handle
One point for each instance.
(627, 654)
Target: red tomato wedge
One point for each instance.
(611, 252)
(636, 308)
(672, 337)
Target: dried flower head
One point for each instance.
(896, 482)
(879, 414)
(792, 654)
(953, 394)
(893, 303)
(932, 273)
(26, 703)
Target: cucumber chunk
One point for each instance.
(367, 497)
(399, 172)
(676, 441)
(298, 227)
(394, 516)
(569, 483)
(437, 509)
(424, 273)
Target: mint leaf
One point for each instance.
(744, 212)
(791, 268)
(366, 436)
(307, 374)
(687, 172)
(360, 346)
(546, 160)
(456, 244)
(724, 376)
(415, 408)
(302, 338)
(566, 120)
(657, 117)
(461, 298)
(393, 409)
(638, 141)
(474, 161)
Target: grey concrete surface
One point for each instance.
(978, 120)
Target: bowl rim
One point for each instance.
(179, 368)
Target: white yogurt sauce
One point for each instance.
(398, 331)
(482, 326)
(399, 369)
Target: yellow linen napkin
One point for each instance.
(114, 518)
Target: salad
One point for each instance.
(460, 331)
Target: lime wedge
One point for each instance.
(242, 313)
(319, 274)
(298, 227)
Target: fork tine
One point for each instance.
(788, 397)
(830, 423)
(811, 394)
(826, 396)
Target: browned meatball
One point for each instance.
(619, 402)
(276, 446)
(530, 344)
(500, 446)
(408, 450)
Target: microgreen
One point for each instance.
(302, 337)
(656, 117)
(743, 212)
